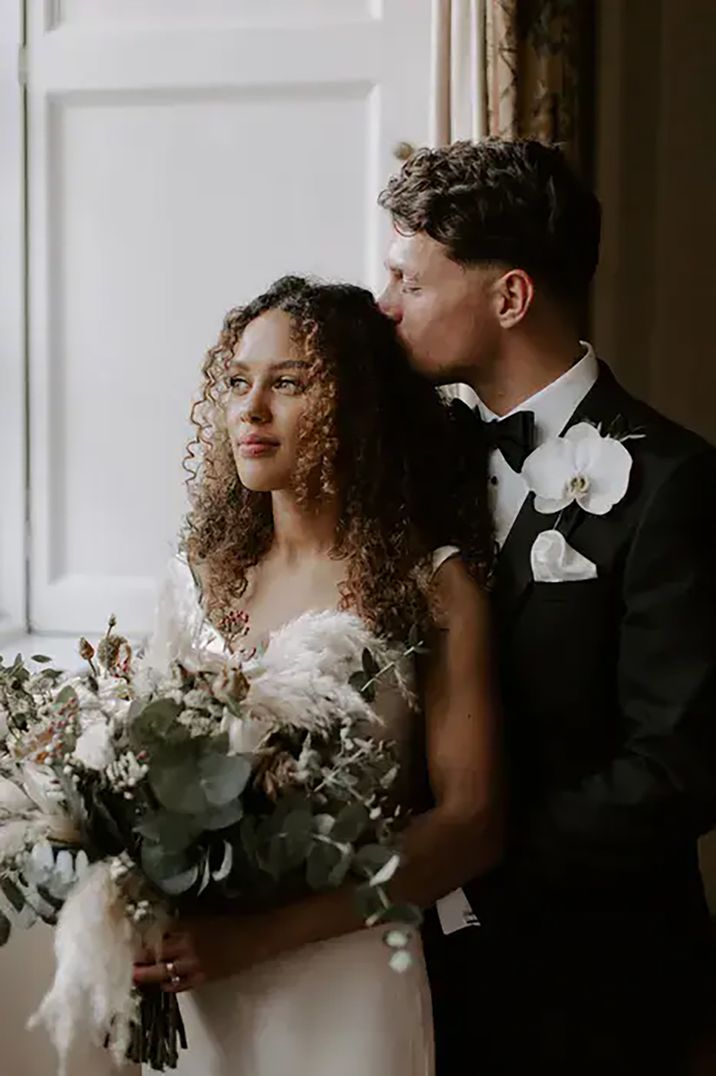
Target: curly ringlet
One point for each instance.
(377, 436)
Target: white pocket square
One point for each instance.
(554, 561)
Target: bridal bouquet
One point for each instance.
(130, 794)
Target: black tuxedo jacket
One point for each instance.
(609, 684)
(609, 696)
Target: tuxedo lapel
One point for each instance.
(584, 532)
(514, 568)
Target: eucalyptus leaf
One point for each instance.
(46, 905)
(223, 777)
(248, 836)
(292, 844)
(276, 860)
(180, 883)
(41, 659)
(298, 823)
(220, 743)
(409, 914)
(136, 707)
(370, 665)
(288, 847)
(268, 827)
(177, 787)
(65, 695)
(350, 823)
(159, 864)
(289, 804)
(340, 870)
(177, 735)
(152, 723)
(224, 869)
(359, 682)
(323, 860)
(222, 817)
(173, 831)
(369, 902)
(386, 872)
(161, 712)
(51, 674)
(323, 824)
(48, 898)
(371, 858)
(205, 872)
(13, 893)
(234, 707)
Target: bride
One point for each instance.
(324, 477)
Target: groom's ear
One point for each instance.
(514, 295)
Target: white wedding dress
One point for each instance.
(335, 1008)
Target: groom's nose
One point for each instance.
(389, 304)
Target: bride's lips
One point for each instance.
(255, 445)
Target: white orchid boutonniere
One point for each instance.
(583, 470)
(584, 467)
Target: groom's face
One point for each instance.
(444, 311)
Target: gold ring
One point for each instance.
(172, 972)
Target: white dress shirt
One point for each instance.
(553, 406)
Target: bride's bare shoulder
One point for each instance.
(458, 598)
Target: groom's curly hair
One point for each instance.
(378, 437)
(515, 203)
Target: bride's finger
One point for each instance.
(168, 971)
(190, 982)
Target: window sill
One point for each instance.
(61, 648)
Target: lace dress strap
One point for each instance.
(445, 552)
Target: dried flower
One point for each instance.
(230, 685)
(277, 774)
(86, 650)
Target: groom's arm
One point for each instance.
(660, 789)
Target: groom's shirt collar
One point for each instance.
(552, 406)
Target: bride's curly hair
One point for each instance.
(378, 437)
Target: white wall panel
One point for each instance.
(175, 170)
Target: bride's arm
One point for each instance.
(445, 847)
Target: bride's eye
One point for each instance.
(238, 384)
(289, 385)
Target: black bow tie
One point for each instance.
(514, 436)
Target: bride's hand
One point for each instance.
(202, 950)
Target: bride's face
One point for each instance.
(268, 396)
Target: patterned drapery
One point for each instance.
(539, 73)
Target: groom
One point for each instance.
(593, 955)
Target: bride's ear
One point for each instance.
(513, 296)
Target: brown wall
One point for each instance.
(654, 310)
(655, 297)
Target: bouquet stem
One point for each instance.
(159, 1030)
